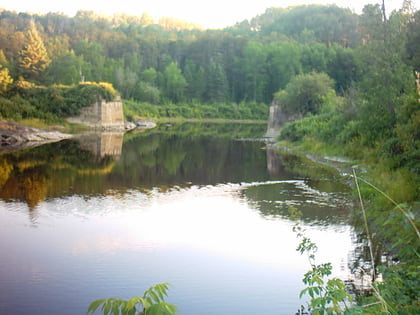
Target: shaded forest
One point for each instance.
(178, 63)
(351, 77)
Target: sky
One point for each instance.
(209, 14)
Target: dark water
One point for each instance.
(195, 205)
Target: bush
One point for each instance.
(134, 109)
(307, 93)
(17, 108)
(29, 100)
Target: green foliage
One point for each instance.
(236, 65)
(403, 147)
(254, 59)
(327, 295)
(413, 38)
(134, 110)
(148, 93)
(216, 85)
(175, 82)
(400, 288)
(398, 292)
(305, 93)
(150, 76)
(386, 79)
(327, 127)
(53, 101)
(18, 108)
(92, 92)
(152, 303)
(284, 61)
(325, 24)
(33, 57)
(5, 80)
(64, 69)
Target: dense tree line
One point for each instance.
(176, 62)
(363, 64)
(368, 58)
(380, 108)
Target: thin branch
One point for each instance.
(396, 205)
(366, 224)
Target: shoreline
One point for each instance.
(208, 120)
(14, 136)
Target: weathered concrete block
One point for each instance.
(102, 115)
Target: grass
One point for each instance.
(56, 125)
(399, 184)
(35, 123)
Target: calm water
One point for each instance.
(110, 215)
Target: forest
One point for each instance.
(351, 77)
(232, 72)
(348, 79)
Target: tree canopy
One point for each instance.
(171, 62)
(305, 93)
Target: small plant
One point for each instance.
(328, 296)
(152, 303)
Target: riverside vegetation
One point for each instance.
(349, 78)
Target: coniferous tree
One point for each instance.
(254, 62)
(33, 57)
(217, 85)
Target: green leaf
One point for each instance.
(116, 308)
(171, 308)
(303, 292)
(107, 307)
(154, 296)
(94, 305)
(131, 303)
(162, 308)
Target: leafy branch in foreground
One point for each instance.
(152, 303)
(328, 296)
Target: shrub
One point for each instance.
(31, 100)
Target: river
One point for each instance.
(200, 206)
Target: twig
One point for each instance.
(366, 224)
(397, 205)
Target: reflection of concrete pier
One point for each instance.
(274, 166)
(103, 143)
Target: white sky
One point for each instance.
(211, 14)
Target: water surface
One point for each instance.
(191, 204)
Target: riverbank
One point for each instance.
(210, 120)
(386, 212)
(342, 164)
(15, 136)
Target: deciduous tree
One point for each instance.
(305, 93)
(174, 82)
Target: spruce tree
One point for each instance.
(33, 57)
